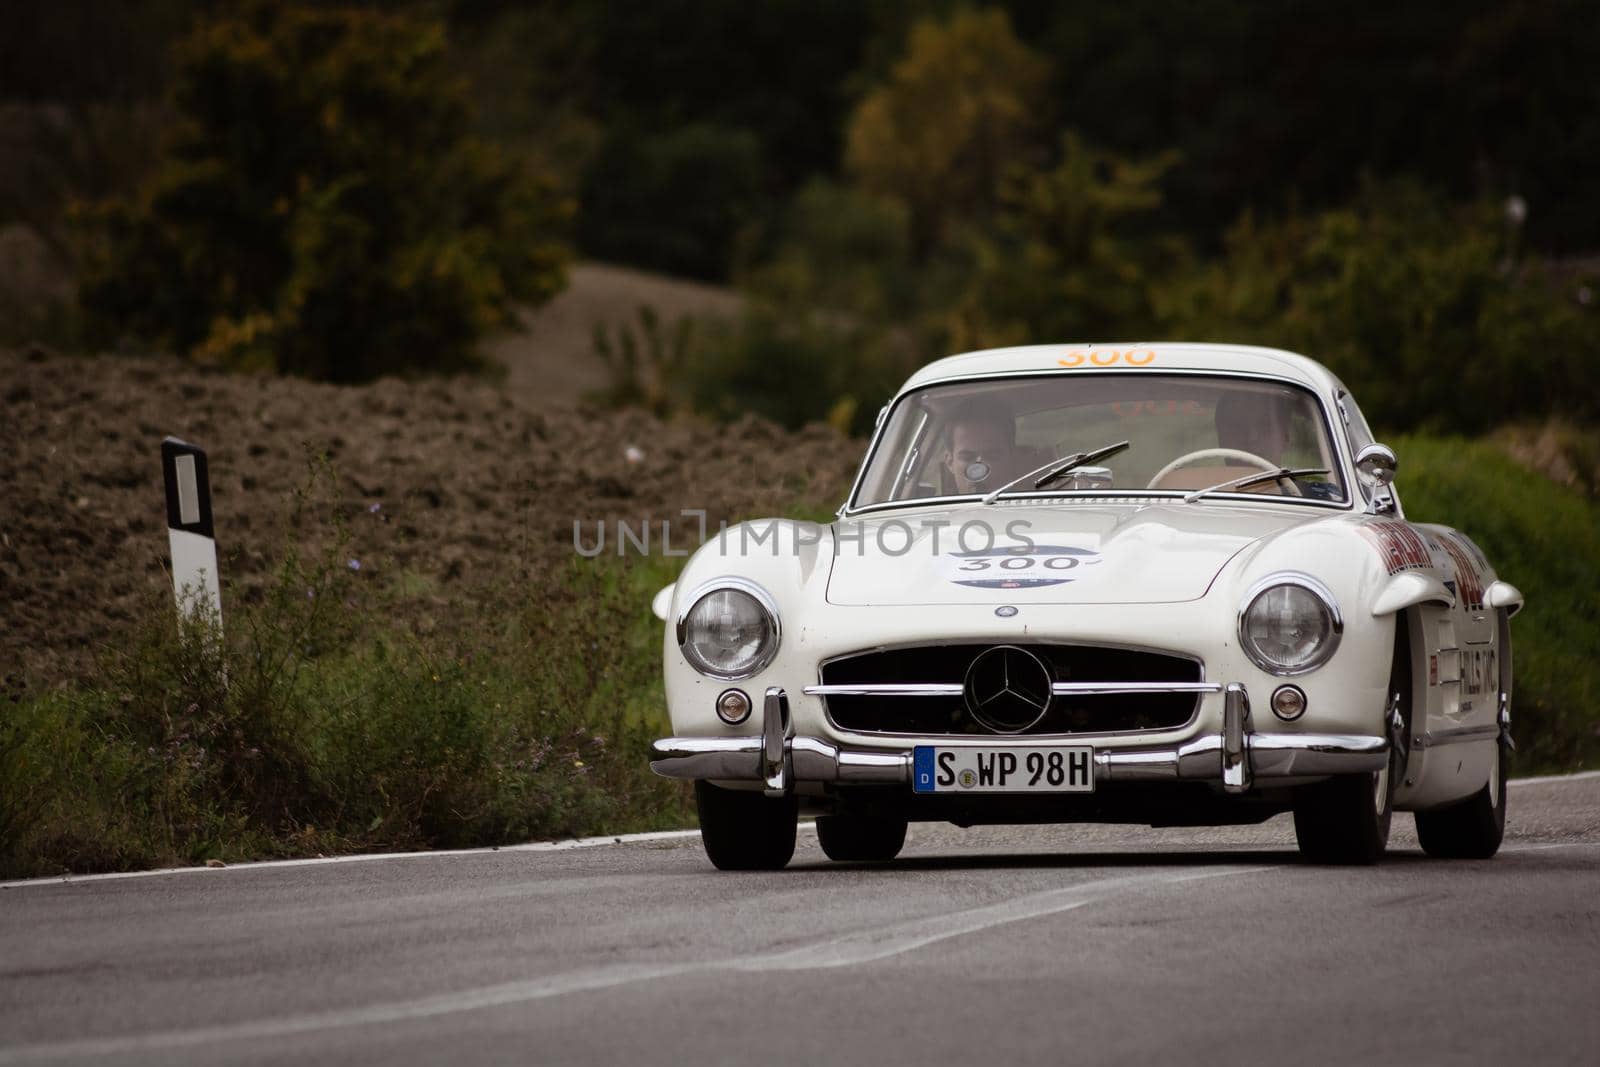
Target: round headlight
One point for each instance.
(729, 632)
(1289, 625)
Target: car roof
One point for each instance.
(1129, 357)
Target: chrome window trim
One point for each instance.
(1089, 496)
(1340, 441)
(1317, 589)
(743, 585)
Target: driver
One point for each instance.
(983, 449)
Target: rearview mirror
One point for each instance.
(1377, 464)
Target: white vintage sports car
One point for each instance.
(1167, 584)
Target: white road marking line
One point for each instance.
(368, 857)
(535, 846)
(846, 950)
(871, 945)
(1549, 779)
(1553, 844)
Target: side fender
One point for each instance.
(1408, 590)
(661, 603)
(1503, 595)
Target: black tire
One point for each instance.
(1346, 819)
(1472, 829)
(860, 837)
(1343, 820)
(746, 831)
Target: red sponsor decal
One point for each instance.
(1469, 580)
(1398, 546)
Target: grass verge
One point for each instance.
(320, 722)
(1543, 538)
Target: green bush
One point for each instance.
(955, 114)
(1416, 302)
(1544, 539)
(321, 209)
(673, 201)
(789, 364)
(1066, 261)
(817, 338)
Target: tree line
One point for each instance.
(343, 191)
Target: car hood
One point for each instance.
(1135, 553)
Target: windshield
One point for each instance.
(1184, 432)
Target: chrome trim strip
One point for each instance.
(812, 759)
(1293, 755)
(875, 767)
(951, 689)
(1460, 734)
(1235, 731)
(714, 758)
(886, 689)
(1108, 688)
(986, 641)
(775, 731)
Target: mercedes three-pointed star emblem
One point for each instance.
(1007, 689)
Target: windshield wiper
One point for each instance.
(1252, 479)
(1056, 468)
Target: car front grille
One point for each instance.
(919, 690)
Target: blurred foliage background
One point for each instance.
(346, 190)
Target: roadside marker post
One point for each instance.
(190, 532)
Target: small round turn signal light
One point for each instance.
(733, 706)
(1288, 702)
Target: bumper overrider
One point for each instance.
(1236, 757)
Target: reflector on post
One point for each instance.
(189, 530)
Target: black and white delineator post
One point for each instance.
(189, 530)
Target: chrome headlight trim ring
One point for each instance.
(1318, 590)
(761, 597)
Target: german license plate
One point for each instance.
(1064, 769)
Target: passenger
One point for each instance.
(1262, 425)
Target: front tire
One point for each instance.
(1346, 819)
(1474, 828)
(860, 837)
(746, 831)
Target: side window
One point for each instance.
(1360, 435)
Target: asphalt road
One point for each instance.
(981, 946)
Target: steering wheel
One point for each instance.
(1222, 453)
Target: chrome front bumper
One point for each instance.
(1236, 757)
